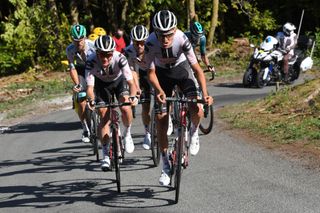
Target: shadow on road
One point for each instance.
(43, 126)
(101, 192)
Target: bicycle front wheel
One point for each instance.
(178, 165)
(206, 122)
(94, 134)
(116, 161)
(155, 149)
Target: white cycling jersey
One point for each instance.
(180, 51)
(74, 56)
(134, 61)
(118, 66)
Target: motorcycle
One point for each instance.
(265, 65)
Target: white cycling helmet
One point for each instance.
(139, 33)
(105, 43)
(164, 21)
(288, 28)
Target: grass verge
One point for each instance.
(288, 116)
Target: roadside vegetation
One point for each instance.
(24, 93)
(288, 116)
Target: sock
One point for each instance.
(194, 129)
(105, 149)
(165, 161)
(127, 130)
(146, 128)
(85, 126)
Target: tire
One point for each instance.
(206, 123)
(155, 149)
(94, 134)
(260, 82)
(115, 142)
(178, 165)
(248, 78)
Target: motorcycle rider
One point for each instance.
(287, 42)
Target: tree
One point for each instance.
(214, 21)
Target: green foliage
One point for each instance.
(31, 37)
(258, 20)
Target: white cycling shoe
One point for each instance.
(105, 164)
(194, 143)
(85, 137)
(147, 141)
(129, 145)
(170, 126)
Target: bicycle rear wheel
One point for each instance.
(178, 165)
(116, 162)
(206, 122)
(155, 149)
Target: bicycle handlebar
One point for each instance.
(112, 105)
(185, 100)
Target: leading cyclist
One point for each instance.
(168, 53)
(197, 38)
(77, 54)
(108, 73)
(135, 56)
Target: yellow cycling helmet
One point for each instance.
(93, 37)
(99, 31)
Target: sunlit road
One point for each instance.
(45, 168)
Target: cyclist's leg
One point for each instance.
(103, 94)
(167, 85)
(190, 89)
(121, 90)
(81, 104)
(145, 114)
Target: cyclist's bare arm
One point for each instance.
(155, 83)
(202, 82)
(135, 76)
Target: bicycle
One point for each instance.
(91, 119)
(155, 149)
(179, 154)
(116, 151)
(94, 138)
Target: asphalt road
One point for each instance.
(45, 168)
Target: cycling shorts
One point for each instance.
(144, 85)
(181, 76)
(105, 90)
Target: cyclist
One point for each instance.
(135, 55)
(168, 55)
(197, 37)
(77, 54)
(287, 42)
(107, 73)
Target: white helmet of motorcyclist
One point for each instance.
(288, 28)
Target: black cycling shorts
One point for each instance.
(145, 85)
(105, 90)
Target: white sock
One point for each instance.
(127, 130)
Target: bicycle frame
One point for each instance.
(116, 145)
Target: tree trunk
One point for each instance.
(74, 12)
(192, 11)
(88, 14)
(214, 21)
(125, 4)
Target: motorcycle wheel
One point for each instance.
(248, 78)
(260, 82)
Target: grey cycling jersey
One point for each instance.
(74, 56)
(134, 61)
(181, 50)
(118, 66)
